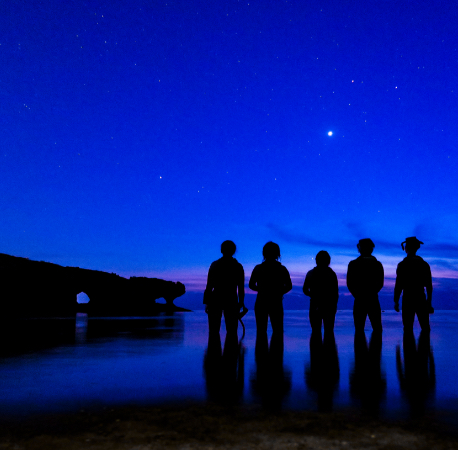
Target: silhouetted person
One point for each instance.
(224, 371)
(413, 275)
(417, 377)
(367, 383)
(225, 291)
(323, 373)
(271, 382)
(365, 278)
(321, 286)
(271, 281)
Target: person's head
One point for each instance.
(271, 251)
(322, 258)
(412, 244)
(228, 248)
(365, 247)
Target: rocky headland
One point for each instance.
(43, 289)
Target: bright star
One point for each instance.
(329, 133)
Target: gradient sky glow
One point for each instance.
(137, 135)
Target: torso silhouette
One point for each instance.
(413, 275)
(365, 277)
(272, 280)
(321, 283)
(224, 276)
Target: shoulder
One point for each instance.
(257, 268)
(423, 262)
(378, 263)
(215, 264)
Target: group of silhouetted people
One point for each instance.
(225, 291)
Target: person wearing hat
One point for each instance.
(322, 287)
(413, 275)
(365, 278)
(225, 291)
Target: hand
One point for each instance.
(396, 306)
(430, 308)
(206, 309)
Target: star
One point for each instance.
(329, 133)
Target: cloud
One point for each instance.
(445, 264)
(351, 232)
(344, 243)
(294, 237)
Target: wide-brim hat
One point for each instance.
(412, 241)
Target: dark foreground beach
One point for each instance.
(217, 427)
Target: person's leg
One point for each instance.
(375, 316)
(231, 320)
(315, 321)
(359, 315)
(408, 316)
(260, 312)
(276, 317)
(329, 318)
(423, 317)
(214, 320)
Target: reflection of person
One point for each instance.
(321, 286)
(224, 371)
(323, 373)
(225, 291)
(413, 275)
(271, 281)
(417, 376)
(270, 380)
(367, 382)
(365, 278)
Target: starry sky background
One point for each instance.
(138, 135)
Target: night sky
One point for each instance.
(136, 135)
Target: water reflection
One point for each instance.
(30, 335)
(120, 361)
(224, 371)
(21, 336)
(322, 373)
(367, 380)
(270, 382)
(417, 373)
(169, 326)
(81, 328)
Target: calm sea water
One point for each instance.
(62, 365)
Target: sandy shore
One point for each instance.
(215, 427)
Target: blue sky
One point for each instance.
(137, 136)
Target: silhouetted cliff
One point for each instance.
(41, 289)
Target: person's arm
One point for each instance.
(336, 287)
(429, 289)
(397, 289)
(350, 279)
(253, 284)
(381, 278)
(208, 288)
(287, 284)
(306, 287)
(241, 288)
